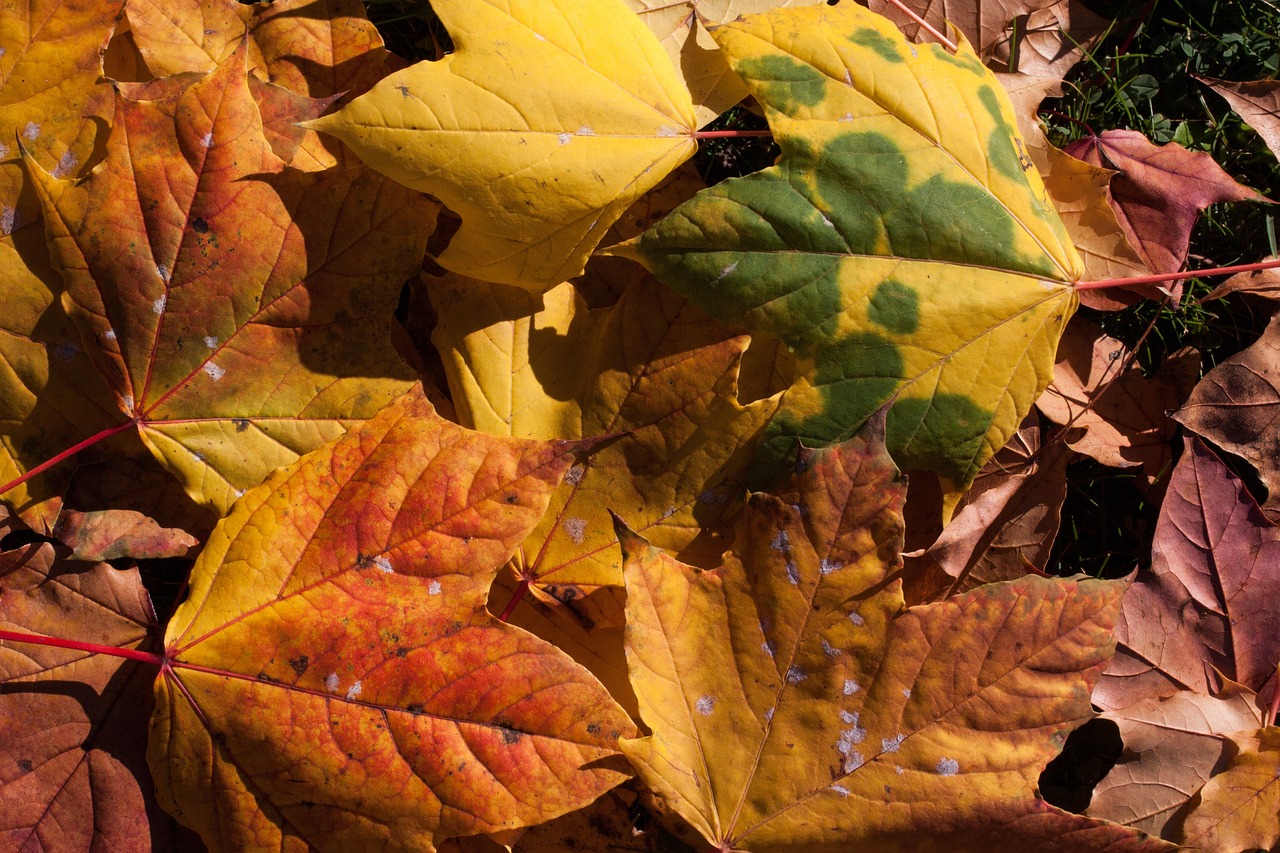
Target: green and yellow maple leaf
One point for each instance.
(549, 120)
(796, 705)
(903, 245)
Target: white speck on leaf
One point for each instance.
(948, 767)
(31, 131)
(848, 716)
(207, 139)
(768, 715)
(211, 342)
(907, 692)
(433, 588)
(852, 761)
(164, 272)
(857, 620)
(793, 573)
(828, 566)
(215, 372)
(667, 131)
(331, 682)
(828, 649)
(851, 687)
(705, 705)
(7, 216)
(841, 790)
(127, 400)
(768, 648)
(66, 165)
(781, 542)
(727, 270)
(354, 690)
(576, 528)
(565, 138)
(586, 130)
(575, 474)
(157, 307)
(795, 675)
(383, 563)
(891, 744)
(109, 334)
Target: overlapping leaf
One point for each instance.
(653, 370)
(548, 121)
(851, 249)
(1198, 650)
(334, 679)
(1097, 388)
(236, 322)
(682, 29)
(72, 725)
(794, 704)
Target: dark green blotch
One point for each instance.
(1000, 147)
(944, 433)
(968, 62)
(786, 82)
(855, 375)
(895, 306)
(878, 42)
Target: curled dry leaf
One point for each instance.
(1098, 388)
(849, 251)
(547, 122)
(335, 668)
(1237, 407)
(1264, 283)
(809, 710)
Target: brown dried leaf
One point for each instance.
(1257, 102)
(1264, 283)
(1237, 407)
(1097, 388)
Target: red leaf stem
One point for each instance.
(1174, 276)
(69, 452)
(79, 645)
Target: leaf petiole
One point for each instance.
(68, 453)
(1174, 276)
(79, 645)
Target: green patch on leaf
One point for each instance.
(876, 41)
(896, 307)
(789, 82)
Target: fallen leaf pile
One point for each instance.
(500, 486)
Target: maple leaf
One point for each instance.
(849, 250)
(1238, 807)
(1258, 104)
(550, 118)
(653, 370)
(1159, 191)
(184, 279)
(1236, 406)
(1099, 389)
(809, 710)
(682, 29)
(1205, 607)
(73, 774)
(334, 678)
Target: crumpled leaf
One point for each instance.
(653, 370)
(849, 249)
(73, 775)
(548, 121)
(335, 669)
(1236, 406)
(185, 281)
(1099, 389)
(1239, 809)
(1005, 525)
(1159, 192)
(795, 704)
(1054, 38)
(1199, 643)
(1257, 102)
(682, 29)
